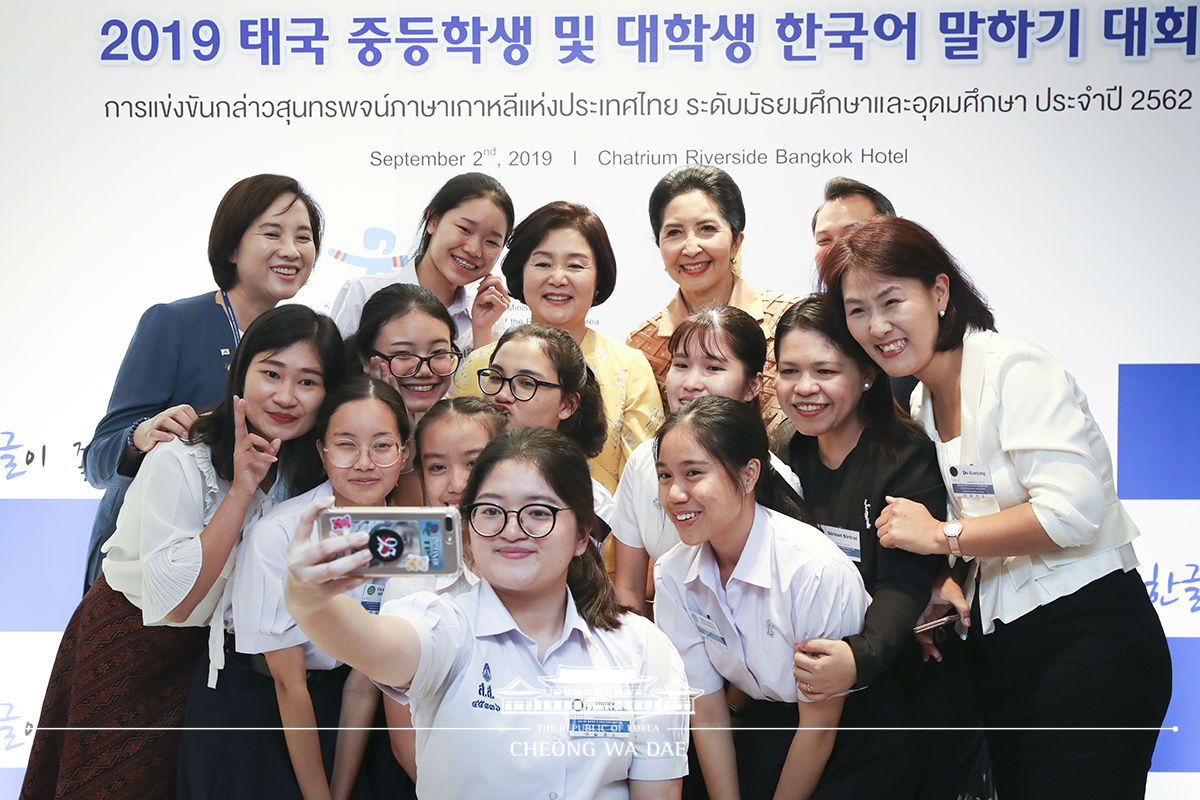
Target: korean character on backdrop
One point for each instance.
(686, 33)
(262, 35)
(1176, 27)
(889, 28)
(799, 36)
(370, 34)
(1006, 28)
(309, 33)
(640, 32)
(846, 30)
(577, 35)
(960, 34)
(1063, 24)
(738, 30)
(464, 36)
(517, 33)
(1127, 25)
(415, 34)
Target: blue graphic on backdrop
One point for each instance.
(1158, 431)
(379, 240)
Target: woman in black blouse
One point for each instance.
(853, 448)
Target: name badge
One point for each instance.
(372, 595)
(970, 480)
(848, 541)
(708, 629)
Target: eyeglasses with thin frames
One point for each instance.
(405, 365)
(534, 519)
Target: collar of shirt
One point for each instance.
(743, 296)
(753, 566)
(493, 619)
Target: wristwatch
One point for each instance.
(951, 530)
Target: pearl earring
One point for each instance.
(866, 386)
(941, 313)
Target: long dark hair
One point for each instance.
(713, 325)
(390, 302)
(732, 432)
(894, 428)
(588, 426)
(893, 247)
(272, 331)
(456, 191)
(564, 467)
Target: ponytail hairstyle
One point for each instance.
(564, 467)
(588, 426)
(724, 331)
(732, 432)
(275, 330)
(483, 413)
(390, 302)
(456, 191)
(894, 428)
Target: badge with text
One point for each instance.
(973, 488)
(848, 541)
(708, 629)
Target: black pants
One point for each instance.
(1094, 659)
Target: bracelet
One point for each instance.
(133, 430)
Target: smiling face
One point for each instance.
(512, 561)
(694, 372)
(276, 253)
(283, 392)
(699, 495)
(418, 333)
(449, 449)
(366, 425)
(894, 319)
(548, 406)
(464, 243)
(560, 280)
(837, 217)
(819, 386)
(697, 244)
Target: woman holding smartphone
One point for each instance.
(1034, 511)
(544, 614)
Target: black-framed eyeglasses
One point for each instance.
(344, 454)
(534, 519)
(405, 365)
(523, 387)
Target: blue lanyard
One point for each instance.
(237, 334)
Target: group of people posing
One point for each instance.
(714, 540)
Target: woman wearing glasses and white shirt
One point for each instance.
(406, 339)
(506, 659)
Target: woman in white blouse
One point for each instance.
(748, 582)
(535, 683)
(130, 648)
(1063, 629)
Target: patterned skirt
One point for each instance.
(110, 720)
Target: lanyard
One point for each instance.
(237, 334)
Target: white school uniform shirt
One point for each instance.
(1025, 418)
(790, 584)
(475, 662)
(639, 520)
(261, 620)
(347, 307)
(154, 556)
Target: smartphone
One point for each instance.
(402, 541)
(937, 623)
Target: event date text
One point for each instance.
(486, 157)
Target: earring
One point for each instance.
(866, 386)
(941, 313)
